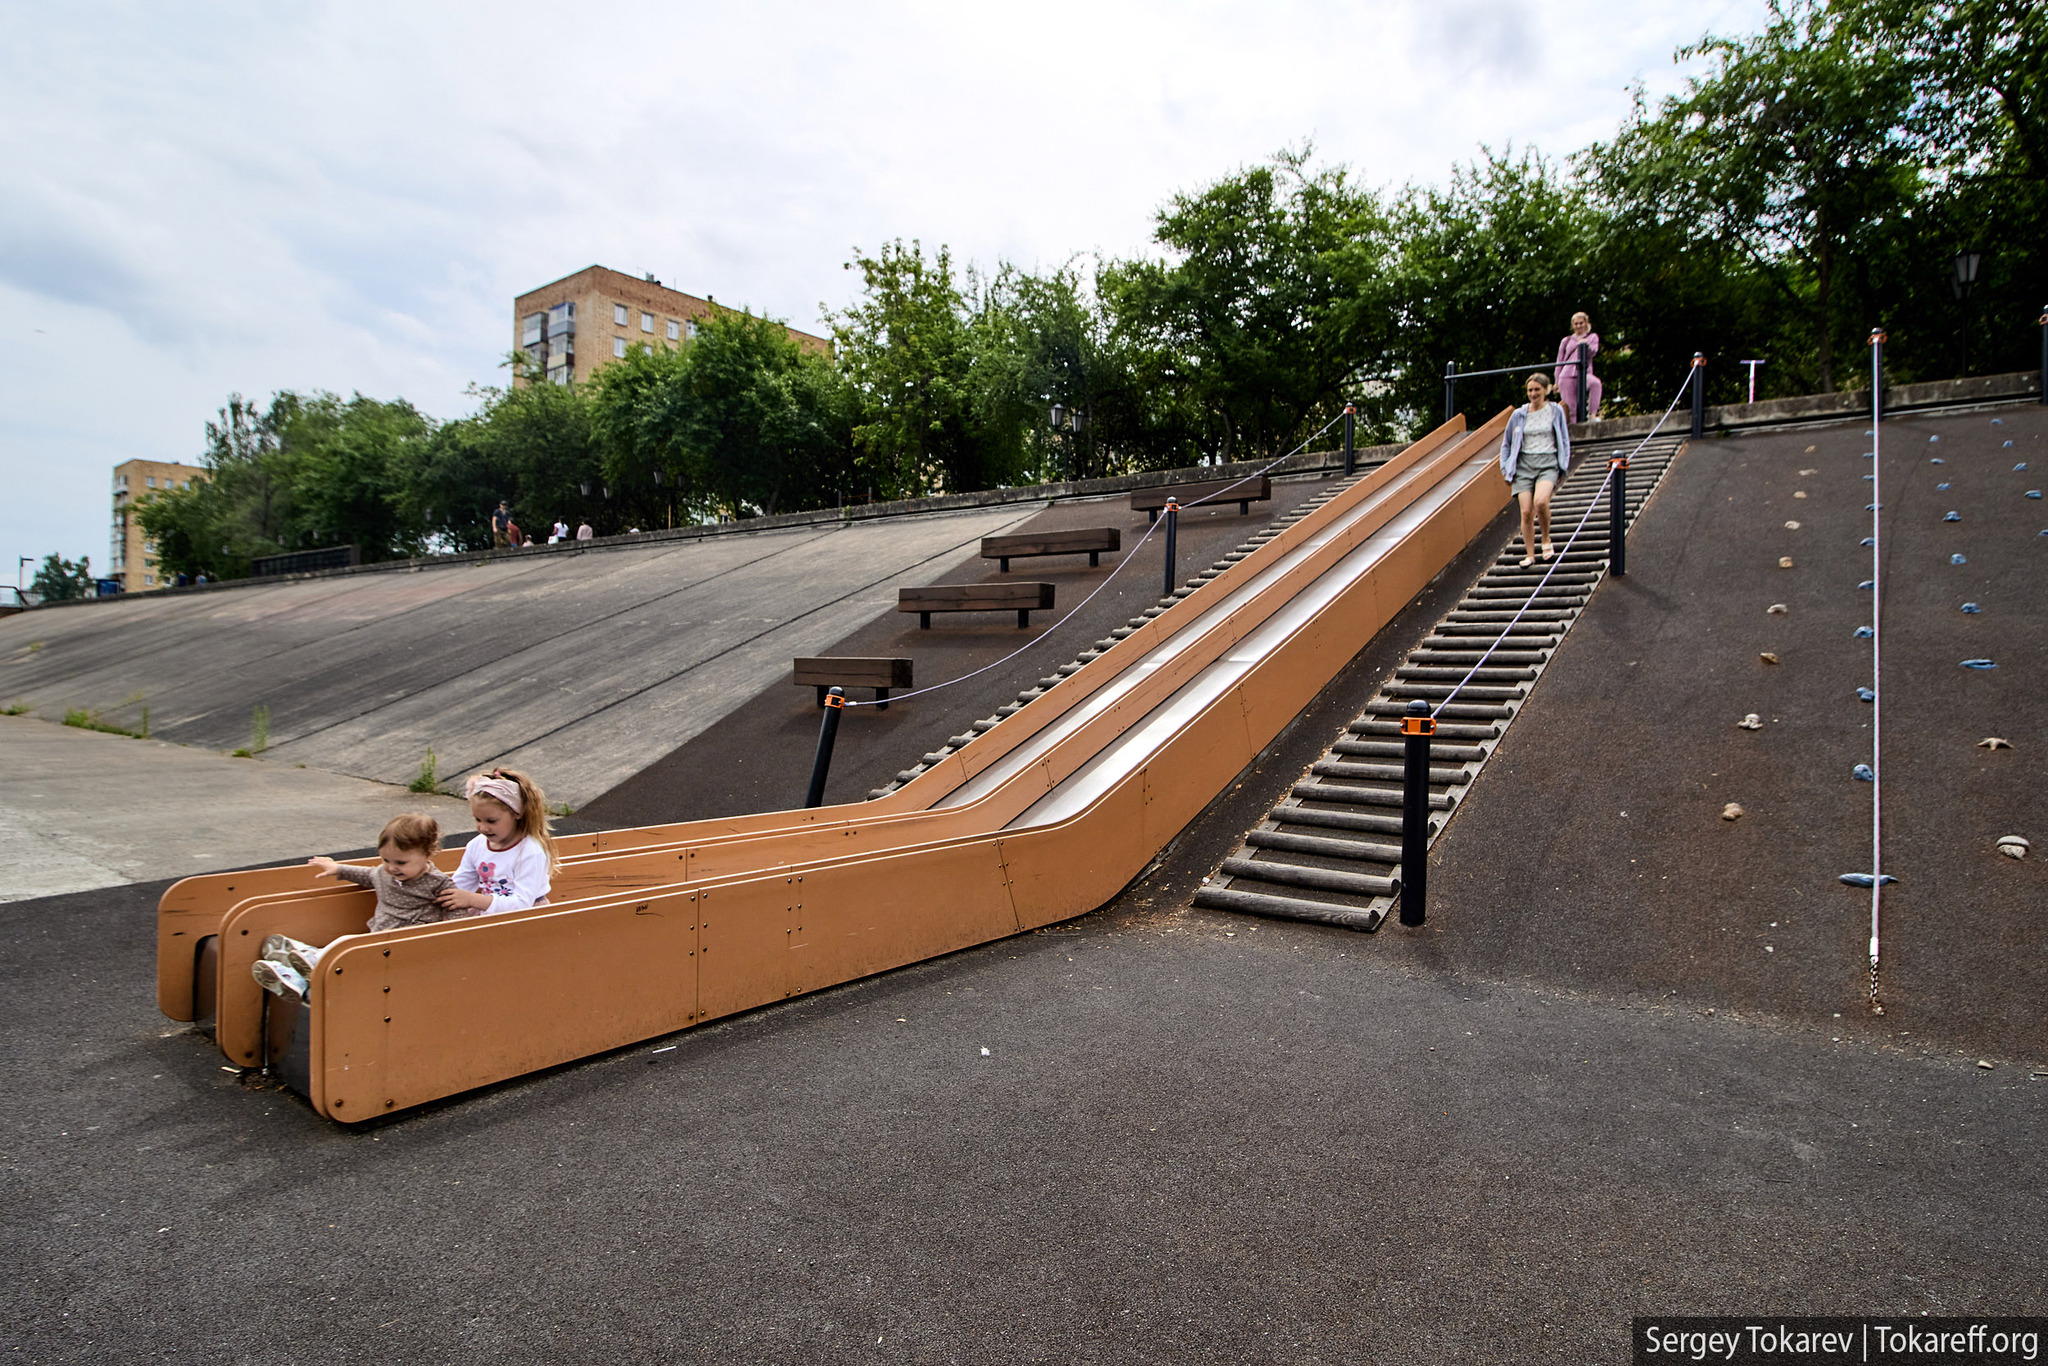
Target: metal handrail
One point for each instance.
(1452, 374)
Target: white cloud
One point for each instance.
(347, 196)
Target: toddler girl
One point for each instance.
(406, 883)
(508, 866)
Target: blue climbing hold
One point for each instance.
(1953, 517)
(1872, 540)
(1872, 583)
(1870, 476)
(1937, 461)
(1978, 664)
(1939, 487)
(1865, 879)
(1866, 694)
(1998, 422)
(2033, 493)
(1862, 633)
(1869, 455)
(1957, 559)
(1972, 608)
(1862, 774)
(2022, 466)
(1872, 507)
(1934, 438)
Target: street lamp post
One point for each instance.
(1966, 265)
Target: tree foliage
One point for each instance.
(59, 579)
(1817, 178)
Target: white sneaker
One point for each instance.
(279, 979)
(294, 953)
(303, 957)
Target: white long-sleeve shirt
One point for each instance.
(516, 878)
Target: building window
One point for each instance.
(646, 322)
(675, 330)
(536, 327)
(619, 314)
(693, 329)
(619, 347)
(150, 480)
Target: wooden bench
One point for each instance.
(1021, 598)
(1243, 492)
(853, 671)
(1090, 541)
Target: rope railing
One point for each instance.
(1218, 495)
(1558, 558)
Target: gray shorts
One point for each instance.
(1530, 470)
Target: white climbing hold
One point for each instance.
(1751, 722)
(1799, 493)
(1785, 561)
(1994, 742)
(1791, 526)
(1767, 657)
(1731, 812)
(2013, 846)
(1777, 609)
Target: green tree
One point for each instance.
(1273, 302)
(1489, 270)
(533, 445)
(906, 349)
(60, 580)
(1790, 154)
(765, 425)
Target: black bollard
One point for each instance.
(1350, 433)
(1172, 529)
(828, 733)
(1450, 390)
(1417, 726)
(1617, 515)
(1699, 394)
(1580, 411)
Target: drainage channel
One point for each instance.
(1330, 852)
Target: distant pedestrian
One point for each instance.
(1582, 334)
(583, 531)
(1535, 452)
(560, 533)
(501, 523)
(513, 535)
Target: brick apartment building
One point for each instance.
(130, 558)
(583, 321)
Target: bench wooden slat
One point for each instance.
(852, 671)
(859, 671)
(1243, 492)
(1089, 541)
(1022, 598)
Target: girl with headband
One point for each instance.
(510, 863)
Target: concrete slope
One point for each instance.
(582, 667)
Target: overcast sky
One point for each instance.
(217, 198)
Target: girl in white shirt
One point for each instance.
(511, 862)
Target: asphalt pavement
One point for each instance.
(1160, 1134)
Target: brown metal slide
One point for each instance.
(1043, 817)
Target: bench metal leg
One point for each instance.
(1151, 515)
(821, 694)
(1023, 618)
(1244, 508)
(1095, 559)
(924, 621)
(1003, 565)
(881, 699)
